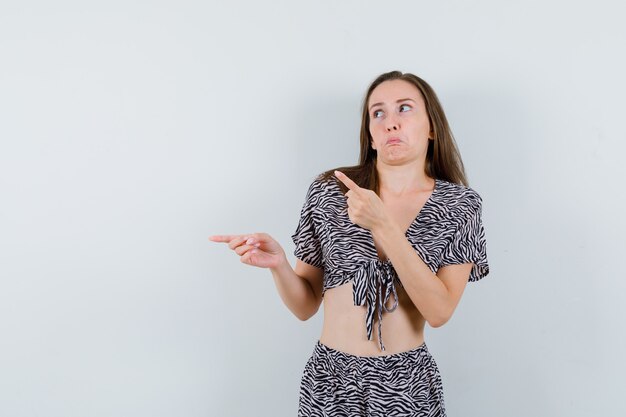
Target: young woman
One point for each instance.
(398, 237)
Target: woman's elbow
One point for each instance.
(438, 321)
(304, 315)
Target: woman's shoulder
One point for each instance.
(454, 193)
(321, 188)
(324, 182)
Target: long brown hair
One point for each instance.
(443, 160)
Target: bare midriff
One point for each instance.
(344, 325)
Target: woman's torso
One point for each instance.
(356, 268)
(404, 328)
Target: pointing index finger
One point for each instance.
(347, 181)
(222, 238)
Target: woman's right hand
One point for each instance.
(256, 249)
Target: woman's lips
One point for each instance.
(391, 141)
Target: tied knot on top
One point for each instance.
(369, 281)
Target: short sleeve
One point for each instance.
(468, 245)
(308, 248)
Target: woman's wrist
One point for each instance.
(283, 266)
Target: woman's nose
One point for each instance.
(392, 124)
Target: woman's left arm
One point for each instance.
(436, 296)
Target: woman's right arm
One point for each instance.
(300, 289)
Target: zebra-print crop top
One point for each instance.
(447, 230)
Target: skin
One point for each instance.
(397, 111)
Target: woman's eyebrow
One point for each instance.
(397, 101)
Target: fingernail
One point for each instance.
(249, 241)
(257, 244)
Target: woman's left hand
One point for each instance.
(365, 208)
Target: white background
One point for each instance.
(131, 131)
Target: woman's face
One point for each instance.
(398, 122)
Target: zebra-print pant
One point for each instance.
(336, 383)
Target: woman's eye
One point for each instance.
(376, 113)
(405, 106)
